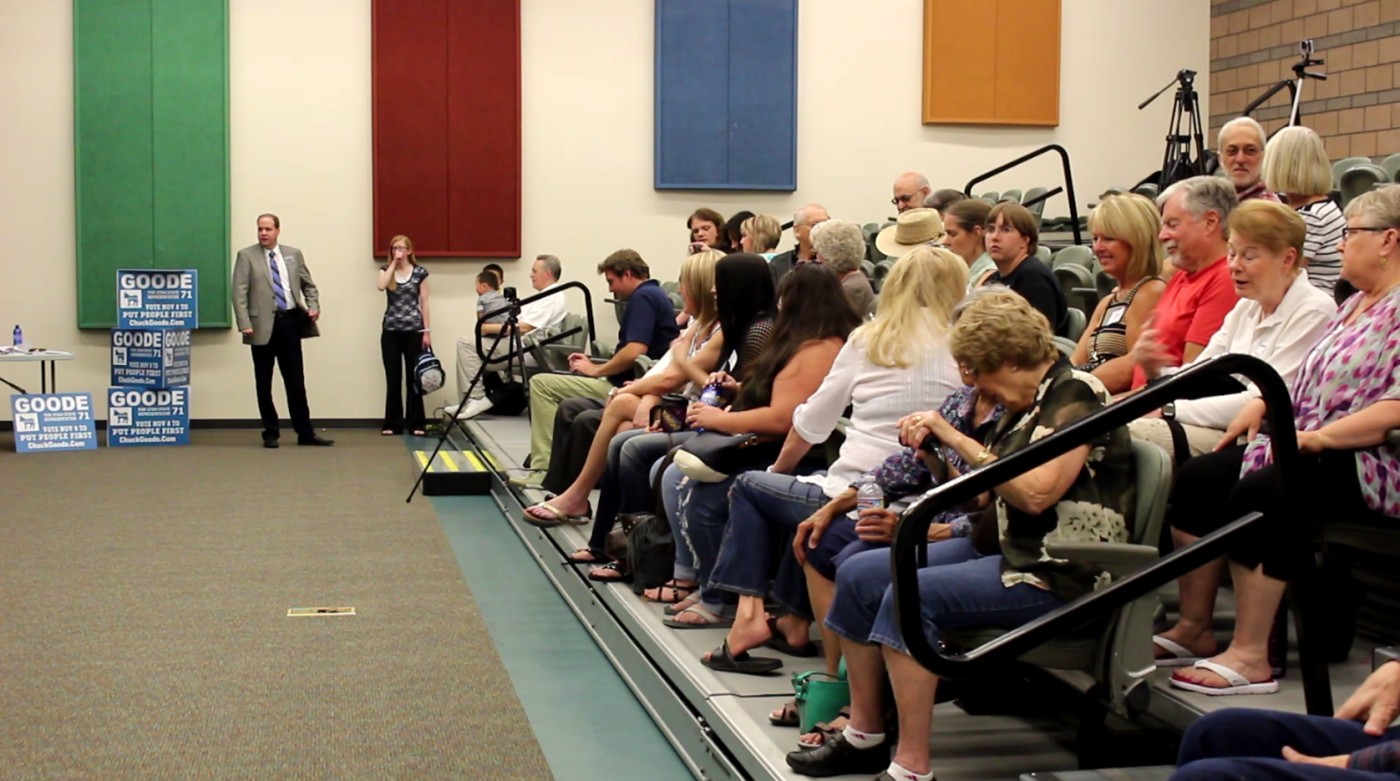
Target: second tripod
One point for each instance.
(1179, 162)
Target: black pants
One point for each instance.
(575, 424)
(400, 350)
(284, 351)
(1209, 493)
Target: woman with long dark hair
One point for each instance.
(814, 319)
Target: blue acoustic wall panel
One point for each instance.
(726, 94)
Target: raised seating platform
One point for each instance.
(718, 722)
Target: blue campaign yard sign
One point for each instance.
(150, 359)
(148, 416)
(157, 298)
(53, 421)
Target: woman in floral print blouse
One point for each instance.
(1346, 397)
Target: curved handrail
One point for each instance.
(558, 290)
(1068, 190)
(911, 534)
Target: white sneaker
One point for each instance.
(450, 410)
(474, 407)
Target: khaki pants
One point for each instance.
(546, 391)
(469, 363)
(1199, 439)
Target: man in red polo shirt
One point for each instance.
(1200, 293)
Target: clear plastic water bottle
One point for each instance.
(19, 337)
(868, 495)
(710, 397)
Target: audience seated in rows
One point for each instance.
(1195, 214)
(1003, 574)
(840, 246)
(1125, 229)
(1241, 150)
(1278, 319)
(648, 327)
(965, 221)
(814, 319)
(538, 320)
(1345, 399)
(803, 221)
(888, 368)
(1012, 238)
(580, 449)
(1296, 166)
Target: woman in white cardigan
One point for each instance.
(894, 365)
(1280, 315)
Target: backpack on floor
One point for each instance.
(428, 373)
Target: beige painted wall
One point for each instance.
(300, 140)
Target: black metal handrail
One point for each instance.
(558, 290)
(908, 551)
(1068, 188)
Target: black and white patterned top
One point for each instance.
(403, 312)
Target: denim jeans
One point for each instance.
(764, 511)
(627, 481)
(959, 588)
(698, 513)
(1244, 743)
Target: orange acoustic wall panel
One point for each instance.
(447, 126)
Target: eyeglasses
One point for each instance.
(1346, 232)
(397, 247)
(898, 199)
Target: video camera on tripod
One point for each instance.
(1294, 87)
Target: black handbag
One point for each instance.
(668, 415)
(712, 457)
(507, 396)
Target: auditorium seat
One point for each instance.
(1342, 166)
(1077, 322)
(1011, 196)
(1113, 653)
(1076, 254)
(1392, 165)
(1361, 178)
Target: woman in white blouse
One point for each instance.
(895, 364)
(1280, 315)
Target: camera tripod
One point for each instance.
(1178, 162)
(1295, 86)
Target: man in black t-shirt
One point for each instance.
(1012, 239)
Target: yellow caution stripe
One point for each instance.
(451, 461)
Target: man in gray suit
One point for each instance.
(276, 305)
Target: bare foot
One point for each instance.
(748, 635)
(818, 736)
(796, 631)
(569, 505)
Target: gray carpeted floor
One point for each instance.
(143, 628)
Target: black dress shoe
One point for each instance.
(316, 441)
(270, 444)
(838, 757)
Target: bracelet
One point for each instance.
(426, 331)
(981, 458)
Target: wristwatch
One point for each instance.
(1169, 410)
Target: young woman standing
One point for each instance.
(405, 336)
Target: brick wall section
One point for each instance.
(1254, 44)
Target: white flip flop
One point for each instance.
(1238, 684)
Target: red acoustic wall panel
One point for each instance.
(447, 126)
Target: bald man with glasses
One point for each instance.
(910, 190)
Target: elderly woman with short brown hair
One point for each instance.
(1345, 400)
(840, 246)
(1003, 575)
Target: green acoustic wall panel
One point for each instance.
(151, 135)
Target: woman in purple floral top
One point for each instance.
(1346, 397)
